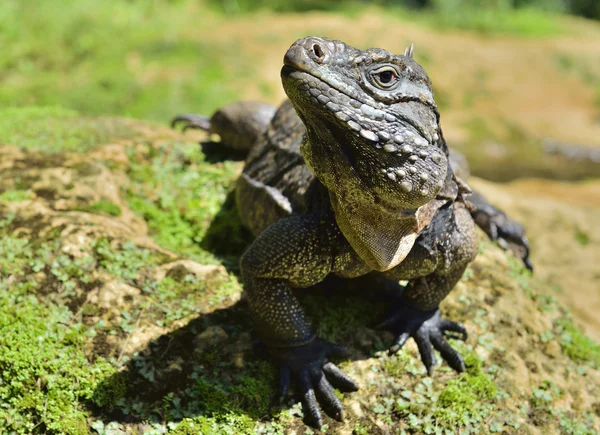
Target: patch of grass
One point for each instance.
(106, 207)
(466, 401)
(56, 129)
(15, 195)
(44, 373)
(178, 193)
(582, 237)
(587, 71)
(140, 59)
(334, 312)
(543, 412)
(227, 424)
(172, 299)
(122, 261)
(250, 393)
(482, 17)
(149, 60)
(575, 344)
(14, 255)
(492, 20)
(521, 275)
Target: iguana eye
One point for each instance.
(385, 77)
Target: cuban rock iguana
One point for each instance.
(351, 176)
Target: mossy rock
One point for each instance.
(121, 313)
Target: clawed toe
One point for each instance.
(191, 121)
(316, 378)
(429, 330)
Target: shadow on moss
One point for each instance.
(210, 373)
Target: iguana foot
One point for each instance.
(499, 227)
(310, 367)
(428, 328)
(191, 121)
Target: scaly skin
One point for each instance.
(351, 176)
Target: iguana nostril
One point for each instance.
(318, 51)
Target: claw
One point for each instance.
(328, 397)
(340, 379)
(402, 338)
(451, 356)
(309, 366)
(500, 227)
(192, 121)
(426, 350)
(427, 328)
(284, 383)
(449, 325)
(310, 400)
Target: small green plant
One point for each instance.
(15, 195)
(44, 373)
(575, 344)
(465, 401)
(106, 207)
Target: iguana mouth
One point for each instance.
(324, 85)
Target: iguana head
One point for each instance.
(372, 138)
(370, 116)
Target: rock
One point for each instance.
(113, 294)
(212, 336)
(180, 268)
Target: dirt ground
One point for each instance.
(536, 84)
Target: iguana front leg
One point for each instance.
(295, 252)
(434, 266)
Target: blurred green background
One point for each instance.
(150, 58)
(507, 74)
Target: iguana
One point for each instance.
(351, 176)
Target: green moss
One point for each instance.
(56, 129)
(174, 299)
(105, 207)
(44, 373)
(250, 393)
(466, 389)
(123, 261)
(112, 390)
(14, 255)
(226, 424)
(187, 193)
(127, 58)
(15, 195)
(575, 344)
(465, 401)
